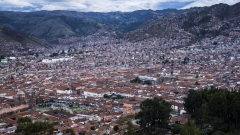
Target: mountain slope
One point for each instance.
(205, 22)
(129, 21)
(51, 25)
(14, 43)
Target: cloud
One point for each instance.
(101, 5)
(203, 3)
(14, 3)
(174, 4)
(105, 5)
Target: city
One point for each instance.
(93, 84)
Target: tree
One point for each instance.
(197, 76)
(106, 96)
(176, 128)
(148, 82)
(186, 60)
(130, 129)
(193, 101)
(70, 131)
(23, 124)
(136, 80)
(197, 83)
(24, 120)
(219, 133)
(116, 128)
(92, 128)
(54, 54)
(218, 108)
(26, 127)
(2, 57)
(154, 114)
(215, 43)
(189, 128)
(119, 96)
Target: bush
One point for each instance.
(106, 96)
(92, 128)
(176, 129)
(116, 128)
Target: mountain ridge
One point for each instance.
(186, 26)
(207, 22)
(50, 25)
(13, 42)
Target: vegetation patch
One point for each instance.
(138, 80)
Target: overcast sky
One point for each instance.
(104, 5)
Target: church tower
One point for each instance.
(31, 100)
(21, 97)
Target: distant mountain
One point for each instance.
(129, 21)
(51, 25)
(204, 22)
(196, 23)
(14, 43)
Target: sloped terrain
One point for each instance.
(51, 25)
(50, 28)
(205, 22)
(13, 42)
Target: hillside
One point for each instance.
(14, 43)
(50, 28)
(51, 25)
(129, 21)
(206, 22)
(184, 26)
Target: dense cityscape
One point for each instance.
(95, 85)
